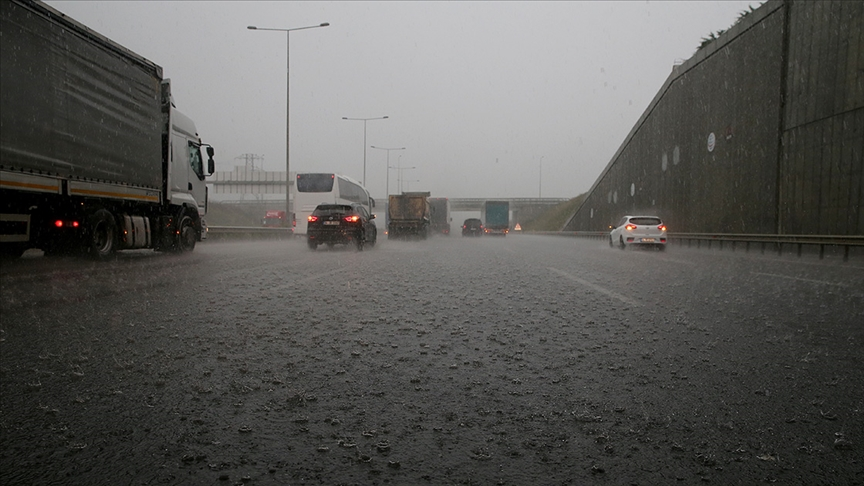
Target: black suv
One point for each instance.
(472, 227)
(341, 223)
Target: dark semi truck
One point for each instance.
(439, 215)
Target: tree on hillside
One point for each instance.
(714, 35)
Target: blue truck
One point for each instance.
(497, 217)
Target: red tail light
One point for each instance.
(58, 223)
(662, 227)
(630, 227)
(312, 218)
(352, 219)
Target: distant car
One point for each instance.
(472, 227)
(639, 230)
(333, 224)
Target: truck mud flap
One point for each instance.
(163, 236)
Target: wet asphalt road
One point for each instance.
(516, 360)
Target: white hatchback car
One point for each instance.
(639, 230)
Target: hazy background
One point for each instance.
(481, 94)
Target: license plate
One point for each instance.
(336, 223)
(647, 240)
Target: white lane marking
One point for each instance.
(800, 279)
(596, 287)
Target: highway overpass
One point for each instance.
(516, 203)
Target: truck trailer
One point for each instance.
(408, 215)
(274, 219)
(439, 214)
(94, 156)
(497, 214)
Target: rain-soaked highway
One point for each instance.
(517, 360)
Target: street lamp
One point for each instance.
(388, 165)
(408, 182)
(287, 105)
(540, 179)
(399, 176)
(364, 139)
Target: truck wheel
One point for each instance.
(185, 238)
(102, 240)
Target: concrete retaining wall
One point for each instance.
(760, 132)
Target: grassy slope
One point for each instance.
(232, 215)
(554, 218)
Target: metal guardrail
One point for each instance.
(776, 242)
(248, 231)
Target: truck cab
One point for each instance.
(186, 184)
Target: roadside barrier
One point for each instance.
(775, 243)
(249, 232)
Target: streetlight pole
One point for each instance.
(408, 182)
(287, 106)
(364, 120)
(388, 166)
(540, 183)
(399, 175)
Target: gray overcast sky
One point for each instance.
(479, 93)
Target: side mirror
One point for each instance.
(211, 165)
(371, 217)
